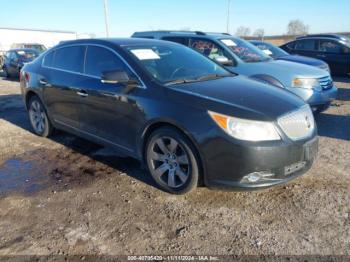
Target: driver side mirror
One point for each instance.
(115, 77)
(224, 61)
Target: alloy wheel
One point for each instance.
(169, 162)
(37, 117)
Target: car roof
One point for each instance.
(116, 41)
(161, 33)
(334, 36)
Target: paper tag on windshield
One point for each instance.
(266, 51)
(145, 54)
(228, 42)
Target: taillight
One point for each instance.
(27, 76)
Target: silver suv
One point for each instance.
(313, 85)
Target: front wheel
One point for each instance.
(38, 118)
(172, 161)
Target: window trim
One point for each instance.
(143, 86)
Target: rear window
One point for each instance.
(69, 58)
(307, 44)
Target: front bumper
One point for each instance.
(228, 166)
(318, 100)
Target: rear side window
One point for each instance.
(307, 45)
(70, 58)
(99, 60)
(291, 45)
(48, 59)
(329, 47)
(180, 40)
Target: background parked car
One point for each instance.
(185, 116)
(333, 49)
(313, 85)
(15, 59)
(279, 54)
(38, 47)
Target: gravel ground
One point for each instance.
(65, 195)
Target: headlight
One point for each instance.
(308, 83)
(248, 130)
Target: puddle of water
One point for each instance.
(17, 175)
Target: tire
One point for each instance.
(38, 118)
(172, 161)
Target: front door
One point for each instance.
(107, 111)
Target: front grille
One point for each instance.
(298, 124)
(326, 82)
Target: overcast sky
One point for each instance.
(128, 16)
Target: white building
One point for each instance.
(48, 38)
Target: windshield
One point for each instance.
(26, 55)
(172, 64)
(246, 51)
(270, 49)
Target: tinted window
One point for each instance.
(329, 46)
(307, 44)
(48, 59)
(291, 45)
(209, 49)
(179, 40)
(99, 60)
(70, 58)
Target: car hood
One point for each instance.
(283, 71)
(302, 59)
(237, 96)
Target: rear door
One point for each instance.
(62, 80)
(333, 53)
(306, 47)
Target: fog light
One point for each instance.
(256, 177)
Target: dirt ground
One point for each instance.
(65, 195)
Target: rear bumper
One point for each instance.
(276, 162)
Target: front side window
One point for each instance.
(171, 64)
(69, 58)
(307, 45)
(246, 51)
(100, 60)
(209, 49)
(329, 47)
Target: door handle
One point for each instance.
(82, 93)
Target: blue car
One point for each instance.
(315, 86)
(279, 54)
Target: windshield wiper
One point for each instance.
(213, 76)
(179, 81)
